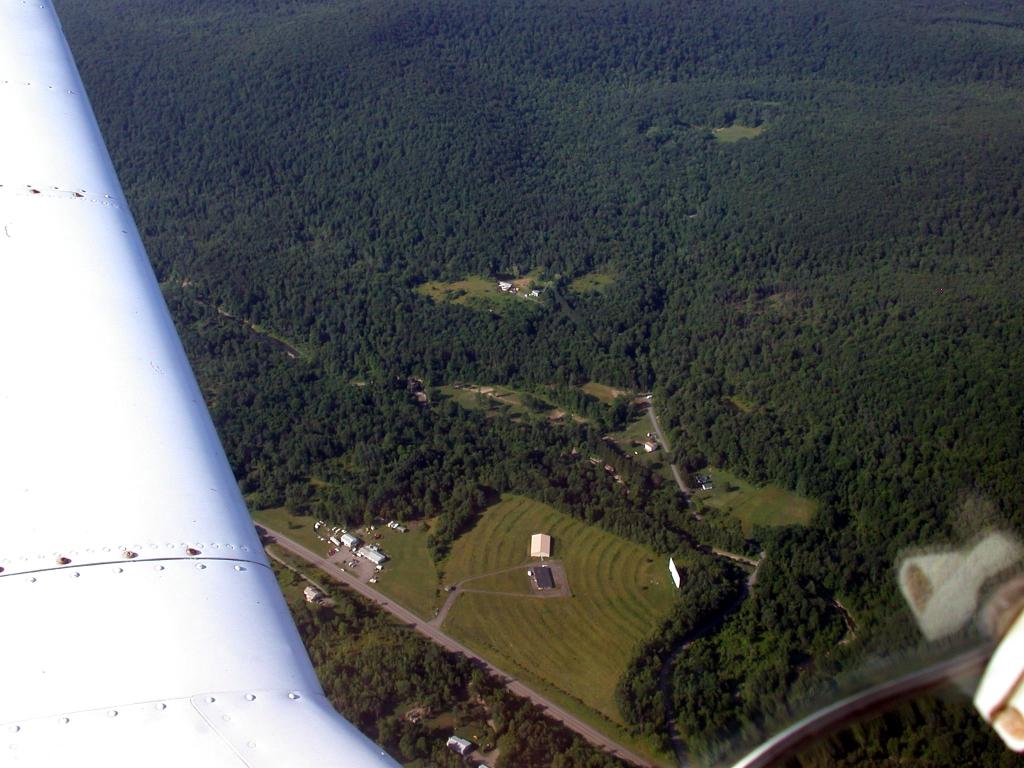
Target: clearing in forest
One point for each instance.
(592, 282)
(603, 392)
(497, 399)
(576, 647)
(765, 505)
(729, 134)
(485, 293)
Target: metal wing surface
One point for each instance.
(141, 623)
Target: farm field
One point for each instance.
(577, 645)
(767, 505)
(736, 132)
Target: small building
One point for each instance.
(335, 541)
(534, 293)
(650, 446)
(375, 556)
(540, 545)
(460, 745)
(350, 541)
(704, 482)
(504, 287)
(545, 579)
(313, 595)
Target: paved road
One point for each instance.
(434, 633)
(680, 480)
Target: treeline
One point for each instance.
(710, 589)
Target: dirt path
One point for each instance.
(680, 479)
(553, 711)
(558, 570)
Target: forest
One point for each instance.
(852, 274)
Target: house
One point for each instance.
(534, 293)
(704, 482)
(504, 287)
(313, 595)
(462, 746)
(650, 446)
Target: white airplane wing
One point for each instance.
(141, 623)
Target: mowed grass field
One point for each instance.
(577, 645)
(767, 505)
(409, 577)
(297, 527)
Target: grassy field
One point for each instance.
(297, 527)
(516, 581)
(603, 392)
(592, 282)
(730, 134)
(410, 577)
(636, 432)
(767, 505)
(579, 645)
(477, 292)
(496, 399)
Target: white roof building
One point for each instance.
(462, 746)
(674, 572)
(312, 594)
(540, 545)
(350, 541)
(373, 555)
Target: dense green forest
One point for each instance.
(853, 274)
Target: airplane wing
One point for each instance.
(141, 622)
